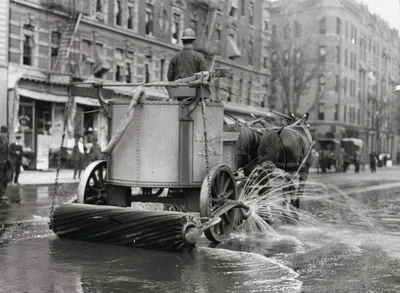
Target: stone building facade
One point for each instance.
(122, 41)
(357, 57)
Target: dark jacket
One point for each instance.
(16, 157)
(6, 169)
(95, 152)
(76, 154)
(185, 64)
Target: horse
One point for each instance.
(246, 145)
(287, 148)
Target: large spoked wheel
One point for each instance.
(92, 187)
(223, 187)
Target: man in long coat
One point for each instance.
(5, 164)
(16, 154)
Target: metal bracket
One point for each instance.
(103, 103)
(187, 108)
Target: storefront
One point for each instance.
(36, 110)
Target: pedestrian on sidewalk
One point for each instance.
(372, 161)
(95, 151)
(5, 162)
(16, 154)
(78, 156)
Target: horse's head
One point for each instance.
(301, 118)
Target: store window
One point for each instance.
(26, 122)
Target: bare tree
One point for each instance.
(296, 63)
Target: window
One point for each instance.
(321, 84)
(337, 54)
(345, 86)
(274, 31)
(193, 25)
(265, 25)
(218, 34)
(336, 112)
(321, 113)
(147, 73)
(233, 8)
(251, 53)
(175, 28)
(249, 92)
(100, 56)
(243, 6)
(338, 26)
(345, 58)
(322, 53)
(162, 66)
(322, 26)
(251, 13)
(99, 6)
(297, 56)
(131, 15)
(28, 44)
(286, 58)
(129, 66)
(119, 74)
(118, 12)
(345, 113)
(149, 19)
(337, 83)
(347, 30)
(240, 88)
(128, 73)
(265, 63)
(55, 44)
(297, 29)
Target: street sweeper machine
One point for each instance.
(169, 151)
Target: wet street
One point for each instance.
(339, 254)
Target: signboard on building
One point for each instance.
(43, 151)
(59, 78)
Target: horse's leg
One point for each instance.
(300, 191)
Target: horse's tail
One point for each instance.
(270, 146)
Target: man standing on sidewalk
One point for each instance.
(5, 164)
(16, 154)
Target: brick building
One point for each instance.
(356, 61)
(122, 41)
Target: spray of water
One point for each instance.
(269, 193)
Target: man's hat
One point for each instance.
(188, 34)
(4, 129)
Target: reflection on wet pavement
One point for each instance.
(338, 256)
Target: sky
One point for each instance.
(389, 10)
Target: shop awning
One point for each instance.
(40, 96)
(233, 50)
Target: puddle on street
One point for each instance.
(339, 255)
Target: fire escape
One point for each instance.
(62, 64)
(204, 44)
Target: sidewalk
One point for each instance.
(46, 177)
(342, 180)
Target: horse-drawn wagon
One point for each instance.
(176, 144)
